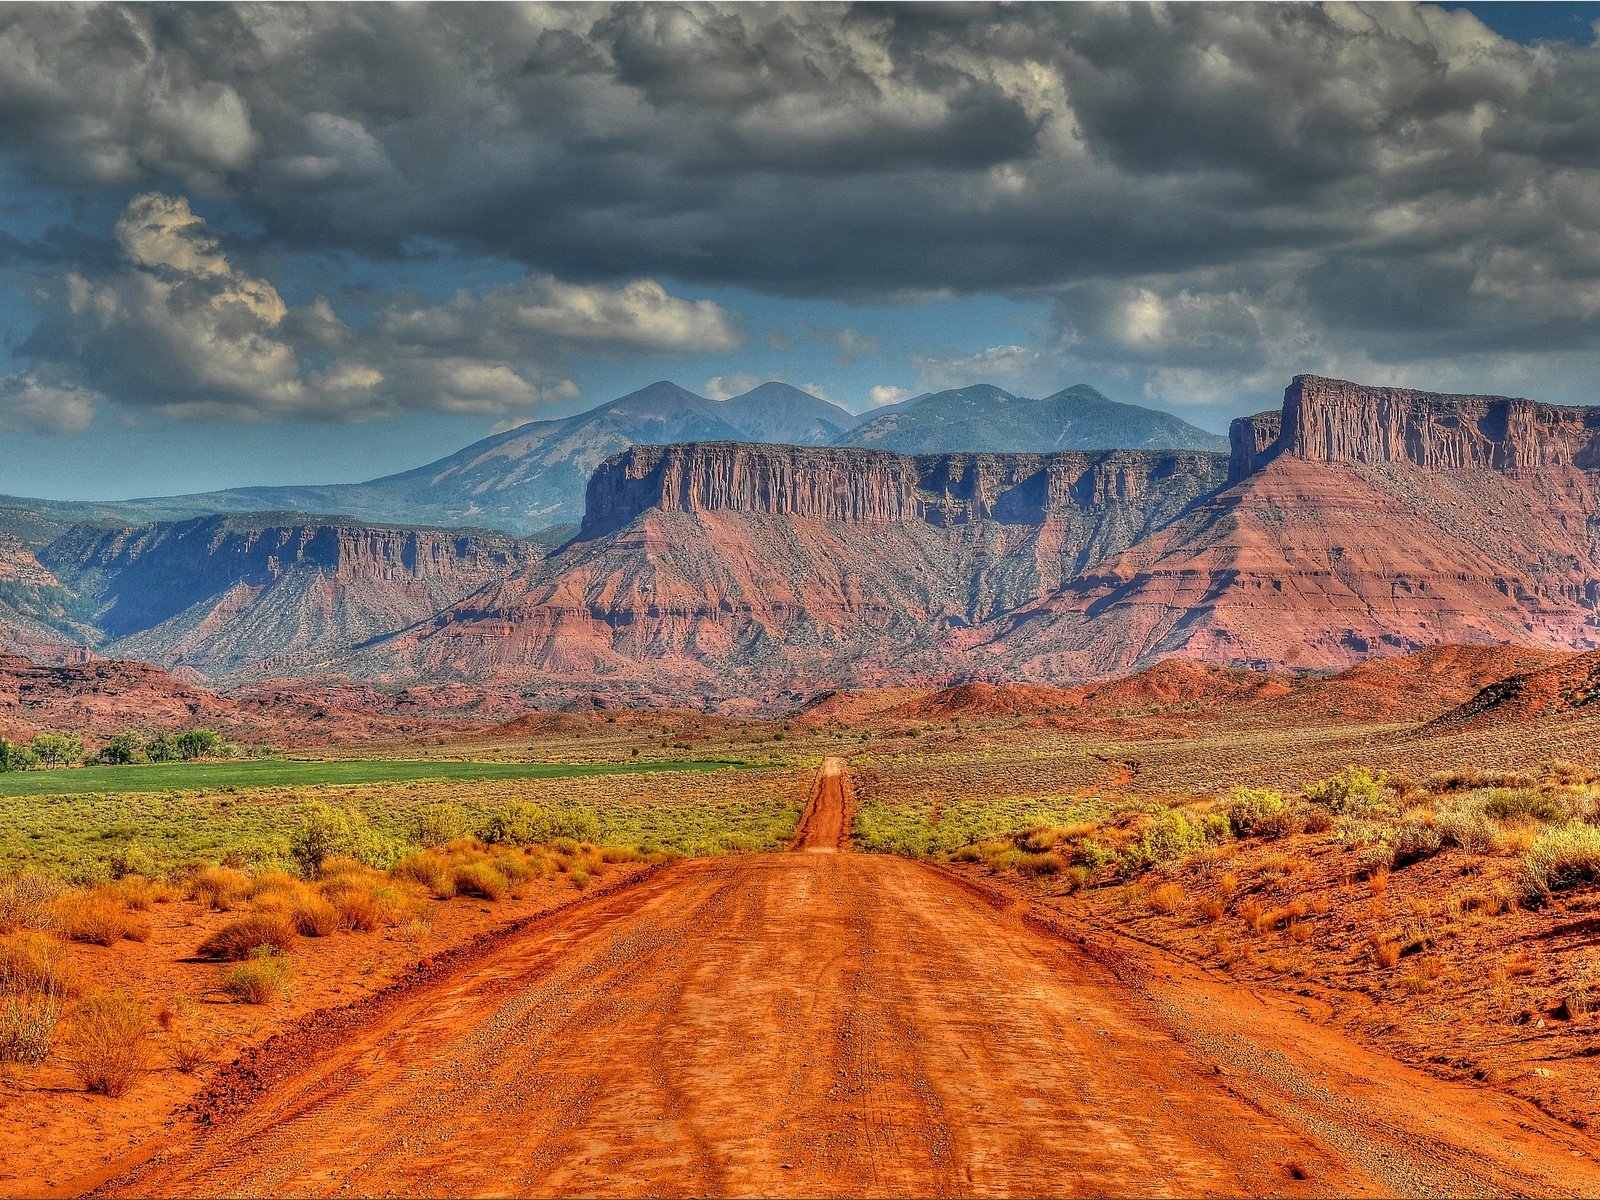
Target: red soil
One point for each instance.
(839, 1024)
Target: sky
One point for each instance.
(282, 244)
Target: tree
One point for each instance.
(16, 758)
(199, 743)
(162, 748)
(123, 749)
(57, 750)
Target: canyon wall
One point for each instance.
(871, 486)
(1334, 421)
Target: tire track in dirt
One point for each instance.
(825, 1024)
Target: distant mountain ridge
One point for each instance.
(533, 477)
(989, 420)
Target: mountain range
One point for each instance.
(532, 478)
(1352, 523)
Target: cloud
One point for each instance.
(1385, 182)
(175, 326)
(886, 393)
(1023, 368)
(29, 403)
(726, 387)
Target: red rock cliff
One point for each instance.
(1331, 420)
(854, 485)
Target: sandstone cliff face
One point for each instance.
(1333, 421)
(226, 594)
(870, 486)
(720, 569)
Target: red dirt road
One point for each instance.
(840, 1024)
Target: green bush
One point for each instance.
(1509, 804)
(1253, 808)
(1171, 835)
(162, 748)
(439, 823)
(523, 823)
(1351, 790)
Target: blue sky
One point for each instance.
(225, 262)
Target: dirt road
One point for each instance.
(832, 1023)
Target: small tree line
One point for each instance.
(65, 750)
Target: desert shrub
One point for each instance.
(108, 1041)
(1170, 835)
(432, 870)
(314, 915)
(1468, 829)
(1311, 818)
(34, 963)
(1047, 862)
(439, 823)
(482, 880)
(57, 750)
(100, 918)
(28, 1026)
(219, 888)
(28, 900)
(524, 823)
(1374, 858)
(1561, 858)
(1562, 770)
(1351, 790)
(237, 939)
(1523, 803)
(1415, 841)
(1250, 808)
(260, 978)
(324, 831)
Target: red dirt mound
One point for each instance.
(1568, 686)
(1183, 681)
(984, 699)
(1415, 686)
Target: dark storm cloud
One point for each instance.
(1266, 186)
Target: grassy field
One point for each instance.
(691, 810)
(172, 777)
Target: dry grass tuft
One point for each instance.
(28, 900)
(220, 888)
(432, 870)
(108, 1041)
(261, 978)
(99, 917)
(481, 880)
(1166, 899)
(314, 915)
(237, 939)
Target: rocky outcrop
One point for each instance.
(225, 594)
(1334, 421)
(870, 486)
(1252, 441)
